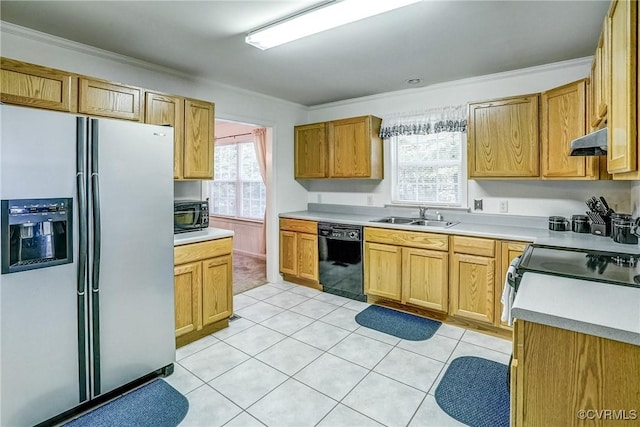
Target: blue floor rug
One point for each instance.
(156, 404)
(474, 391)
(397, 323)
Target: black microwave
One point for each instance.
(190, 215)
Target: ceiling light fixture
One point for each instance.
(319, 18)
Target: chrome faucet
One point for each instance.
(424, 210)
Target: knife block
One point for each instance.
(601, 229)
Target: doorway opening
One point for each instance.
(238, 197)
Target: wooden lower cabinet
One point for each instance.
(409, 275)
(559, 373)
(425, 278)
(299, 251)
(382, 271)
(473, 275)
(203, 281)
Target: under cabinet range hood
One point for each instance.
(593, 144)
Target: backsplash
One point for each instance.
(536, 198)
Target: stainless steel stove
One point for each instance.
(608, 267)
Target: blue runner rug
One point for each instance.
(156, 404)
(397, 323)
(474, 391)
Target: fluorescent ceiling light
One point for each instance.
(323, 17)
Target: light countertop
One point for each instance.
(593, 308)
(471, 226)
(201, 236)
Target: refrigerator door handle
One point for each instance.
(82, 256)
(95, 276)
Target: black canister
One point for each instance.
(622, 229)
(558, 223)
(580, 224)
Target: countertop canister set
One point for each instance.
(600, 220)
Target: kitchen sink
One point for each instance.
(396, 220)
(415, 221)
(434, 223)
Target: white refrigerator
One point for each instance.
(86, 290)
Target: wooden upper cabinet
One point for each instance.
(168, 110)
(107, 99)
(347, 148)
(355, 149)
(198, 139)
(622, 154)
(503, 138)
(35, 86)
(599, 78)
(562, 119)
(310, 151)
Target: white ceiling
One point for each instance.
(436, 41)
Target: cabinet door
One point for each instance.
(35, 86)
(198, 140)
(382, 269)
(168, 110)
(562, 120)
(307, 246)
(425, 278)
(188, 288)
(310, 151)
(503, 138)
(509, 250)
(288, 253)
(217, 293)
(350, 148)
(473, 287)
(622, 134)
(98, 98)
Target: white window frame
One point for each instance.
(240, 145)
(393, 157)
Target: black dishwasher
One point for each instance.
(340, 260)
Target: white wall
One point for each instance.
(523, 197)
(285, 194)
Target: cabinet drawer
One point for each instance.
(302, 226)
(474, 246)
(199, 251)
(438, 242)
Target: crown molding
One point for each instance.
(456, 83)
(38, 36)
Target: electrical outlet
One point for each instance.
(319, 198)
(504, 206)
(370, 200)
(477, 204)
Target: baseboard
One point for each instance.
(251, 254)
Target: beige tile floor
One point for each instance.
(296, 357)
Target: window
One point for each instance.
(237, 189)
(428, 169)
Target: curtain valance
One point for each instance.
(436, 120)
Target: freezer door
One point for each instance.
(39, 350)
(133, 319)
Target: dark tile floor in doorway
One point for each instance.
(248, 272)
